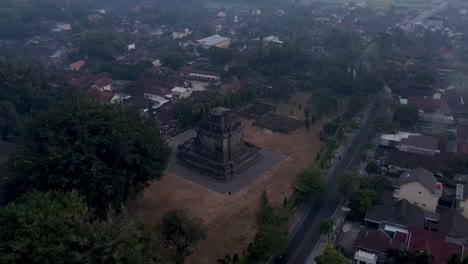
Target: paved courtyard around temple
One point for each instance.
(231, 219)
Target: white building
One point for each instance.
(181, 92)
(215, 41)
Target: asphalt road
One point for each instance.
(307, 235)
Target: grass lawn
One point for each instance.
(380, 4)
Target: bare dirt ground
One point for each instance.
(230, 219)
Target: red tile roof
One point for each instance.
(103, 82)
(102, 75)
(378, 241)
(103, 97)
(77, 65)
(428, 104)
(462, 136)
(156, 90)
(434, 242)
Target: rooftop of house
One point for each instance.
(155, 90)
(104, 97)
(102, 75)
(453, 223)
(434, 242)
(428, 104)
(212, 40)
(378, 241)
(77, 65)
(420, 175)
(103, 82)
(401, 213)
(462, 129)
(421, 141)
(188, 70)
(220, 111)
(409, 160)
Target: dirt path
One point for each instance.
(230, 219)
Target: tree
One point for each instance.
(385, 125)
(403, 256)
(424, 77)
(324, 101)
(326, 226)
(220, 56)
(313, 119)
(331, 256)
(174, 60)
(307, 123)
(9, 120)
(104, 45)
(336, 80)
(57, 228)
(348, 184)
(181, 233)
(456, 258)
(309, 183)
(372, 167)
(108, 153)
(363, 201)
(406, 116)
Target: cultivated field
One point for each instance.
(230, 219)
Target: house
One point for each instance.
(411, 142)
(104, 84)
(396, 216)
(454, 224)
(102, 96)
(59, 27)
(420, 144)
(398, 161)
(156, 94)
(195, 74)
(215, 41)
(420, 188)
(181, 33)
(462, 137)
(131, 47)
(371, 247)
(434, 242)
(180, 92)
(230, 85)
(429, 105)
(76, 66)
(272, 40)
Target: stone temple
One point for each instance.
(219, 150)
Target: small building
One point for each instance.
(195, 74)
(156, 94)
(420, 188)
(131, 47)
(76, 66)
(215, 41)
(59, 27)
(272, 40)
(104, 84)
(181, 33)
(180, 92)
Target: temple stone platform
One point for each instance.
(216, 156)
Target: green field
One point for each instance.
(227, 3)
(380, 4)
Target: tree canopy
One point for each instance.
(107, 153)
(181, 233)
(309, 183)
(331, 256)
(104, 45)
(406, 116)
(57, 228)
(348, 184)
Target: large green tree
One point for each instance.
(104, 45)
(406, 116)
(55, 227)
(348, 184)
(331, 256)
(181, 233)
(109, 154)
(324, 101)
(309, 183)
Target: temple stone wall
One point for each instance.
(219, 150)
